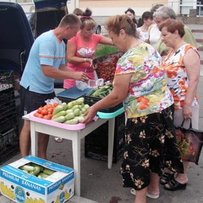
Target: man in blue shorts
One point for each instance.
(46, 62)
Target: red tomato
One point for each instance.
(44, 111)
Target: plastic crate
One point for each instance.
(8, 123)
(105, 65)
(9, 144)
(96, 143)
(6, 80)
(6, 96)
(92, 100)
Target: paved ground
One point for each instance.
(103, 185)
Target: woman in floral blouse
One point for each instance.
(141, 84)
(182, 65)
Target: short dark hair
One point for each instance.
(147, 15)
(130, 10)
(69, 19)
(172, 25)
(133, 12)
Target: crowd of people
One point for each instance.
(156, 79)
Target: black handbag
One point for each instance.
(190, 142)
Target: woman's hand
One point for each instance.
(90, 115)
(187, 111)
(80, 76)
(89, 60)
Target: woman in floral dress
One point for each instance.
(141, 84)
(182, 65)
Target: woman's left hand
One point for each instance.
(187, 111)
(89, 60)
(90, 115)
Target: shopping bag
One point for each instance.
(190, 142)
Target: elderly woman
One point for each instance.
(82, 47)
(182, 65)
(160, 15)
(141, 83)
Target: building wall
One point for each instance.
(110, 7)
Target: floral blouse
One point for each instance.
(177, 75)
(148, 92)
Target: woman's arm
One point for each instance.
(192, 65)
(117, 95)
(106, 40)
(71, 55)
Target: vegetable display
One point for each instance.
(36, 170)
(71, 113)
(46, 111)
(101, 91)
(106, 65)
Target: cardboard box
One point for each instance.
(22, 187)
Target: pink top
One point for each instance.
(86, 50)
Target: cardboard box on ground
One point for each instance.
(21, 186)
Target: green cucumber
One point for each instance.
(60, 113)
(59, 119)
(48, 171)
(58, 109)
(69, 116)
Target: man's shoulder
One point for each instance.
(46, 36)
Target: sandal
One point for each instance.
(152, 196)
(174, 185)
(166, 177)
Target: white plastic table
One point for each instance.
(75, 136)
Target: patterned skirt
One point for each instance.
(150, 146)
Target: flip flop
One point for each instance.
(152, 196)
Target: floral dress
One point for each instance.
(149, 113)
(177, 75)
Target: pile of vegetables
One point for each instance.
(71, 113)
(46, 111)
(36, 170)
(101, 91)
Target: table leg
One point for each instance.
(111, 129)
(76, 146)
(34, 139)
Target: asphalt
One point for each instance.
(103, 185)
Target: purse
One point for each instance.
(189, 142)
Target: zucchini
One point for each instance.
(60, 113)
(58, 109)
(59, 119)
(27, 168)
(48, 171)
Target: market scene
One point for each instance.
(101, 101)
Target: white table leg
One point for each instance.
(76, 146)
(111, 127)
(34, 139)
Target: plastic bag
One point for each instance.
(190, 142)
(81, 85)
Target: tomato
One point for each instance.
(48, 117)
(38, 115)
(39, 110)
(50, 110)
(44, 111)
